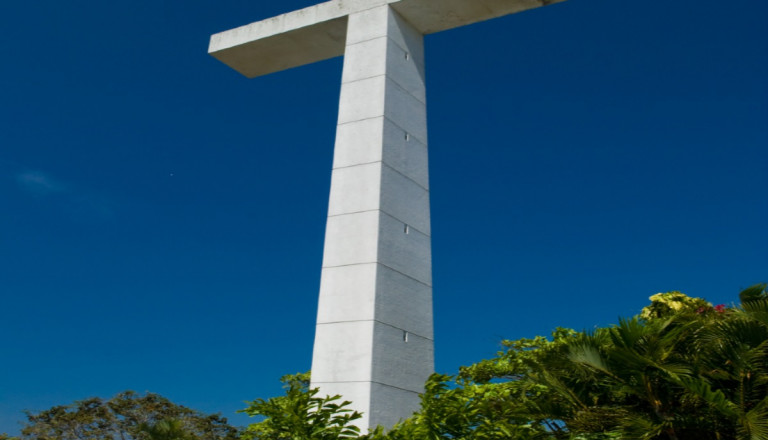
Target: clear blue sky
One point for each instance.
(162, 218)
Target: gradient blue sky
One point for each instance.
(162, 217)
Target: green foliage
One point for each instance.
(166, 429)
(127, 416)
(682, 369)
(301, 415)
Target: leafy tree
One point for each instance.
(127, 416)
(300, 415)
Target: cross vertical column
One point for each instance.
(374, 337)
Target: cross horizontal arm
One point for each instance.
(318, 32)
(289, 40)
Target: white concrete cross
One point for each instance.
(374, 338)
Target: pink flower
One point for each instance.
(720, 308)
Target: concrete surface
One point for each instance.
(374, 337)
(319, 32)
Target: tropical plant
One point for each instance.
(682, 369)
(694, 371)
(301, 415)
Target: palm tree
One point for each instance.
(688, 373)
(733, 365)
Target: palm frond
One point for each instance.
(753, 293)
(755, 422)
(715, 398)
